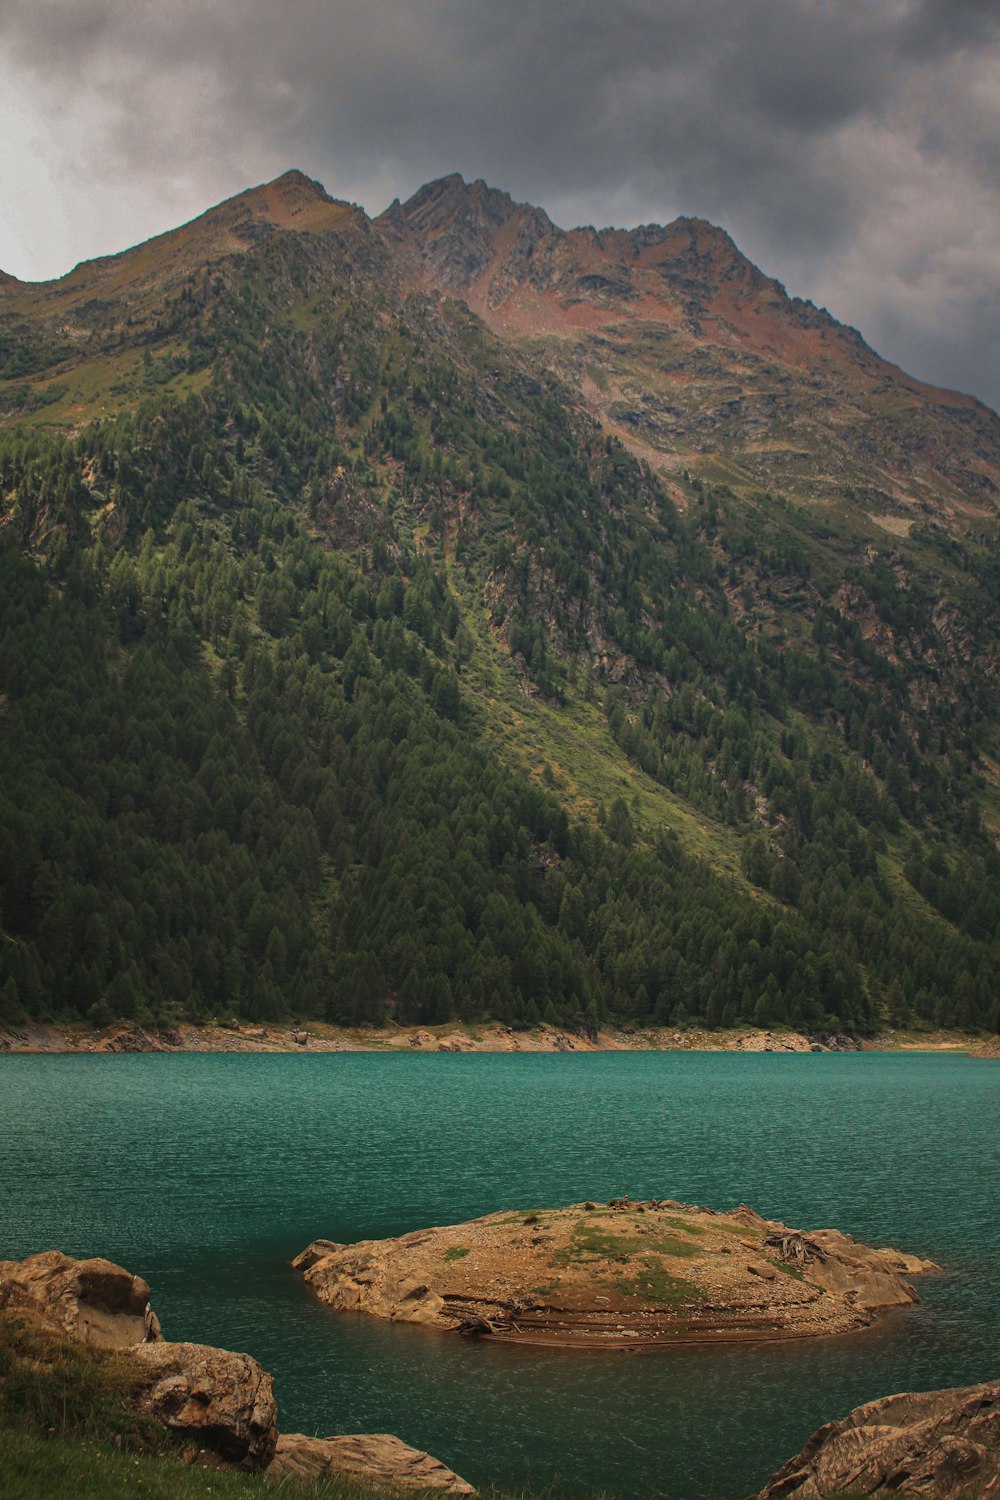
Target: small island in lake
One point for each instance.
(619, 1275)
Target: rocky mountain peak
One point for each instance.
(458, 231)
(450, 201)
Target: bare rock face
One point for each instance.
(614, 1275)
(942, 1444)
(870, 1278)
(222, 1404)
(93, 1301)
(376, 1459)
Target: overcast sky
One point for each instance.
(851, 147)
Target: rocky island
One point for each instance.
(618, 1275)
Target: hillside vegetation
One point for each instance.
(351, 668)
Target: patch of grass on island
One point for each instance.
(591, 1242)
(793, 1271)
(655, 1284)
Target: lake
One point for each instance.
(206, 1174)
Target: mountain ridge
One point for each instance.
(709, 243)
(680, 310)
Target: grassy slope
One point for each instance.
(34, 1467)
(586, 768)
(67, 1428)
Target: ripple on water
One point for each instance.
(207, 1173)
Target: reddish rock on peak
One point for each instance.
(687, 352)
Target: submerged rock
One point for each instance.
(220, 1403)
(93, 1301)
(626, 1274)
(377, 1459)
(943, 1444)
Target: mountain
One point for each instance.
(695, 359)
(380, 642)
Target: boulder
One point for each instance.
(308, 1257)
(93, 1301)
(376, 1459)
(219, 1403)
(941, 1444)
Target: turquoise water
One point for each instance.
(207, 1173)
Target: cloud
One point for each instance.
(851, 147)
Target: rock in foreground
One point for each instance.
(375, 1459)
(944, 1444)
(218, 1403)
(624, 1274)
(92, 1301)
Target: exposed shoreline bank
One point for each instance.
(318, 1036)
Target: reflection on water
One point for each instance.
(206, 1174)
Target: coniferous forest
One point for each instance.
(259, 603)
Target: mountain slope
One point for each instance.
(352, 667)
(694, 358)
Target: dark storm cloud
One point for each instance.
(852, 147)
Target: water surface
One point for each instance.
(207, 1173)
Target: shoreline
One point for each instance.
(319, 1036)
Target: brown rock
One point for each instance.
(376, 1459)
(94, 1301)
(221, 1403)
(942, 1444)
(308, 1257)
(872, 1278)
(761, 1269)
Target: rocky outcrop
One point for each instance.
(376, 1459)
(218, 1403)
(621, 1274)
(93, 1301)
(943, 1444)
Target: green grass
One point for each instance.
(681, 1225)
(574, 741)
(53, 1388)
(38, 1468)
(68, 1428)
(589, 1241)
(456, 1252)
(654, 1283)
